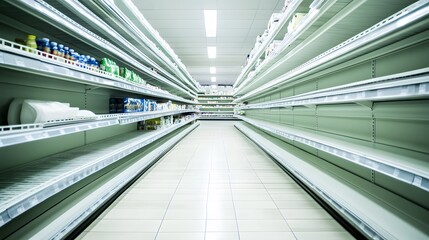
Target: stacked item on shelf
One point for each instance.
(163, 122)
(47, 48)
(274, 20)
(128, 105)
(295, 22)
(27, 111)
(271, 49)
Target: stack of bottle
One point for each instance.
(44, 45)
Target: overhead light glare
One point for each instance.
(210, 20)
(211, 52)
(212, 70)
(213, 79)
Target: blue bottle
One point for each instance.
(61, 51)
(54, 48)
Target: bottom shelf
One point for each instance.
(25, 187)
(374, 211)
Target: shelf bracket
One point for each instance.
(312, 106)
(367, 104)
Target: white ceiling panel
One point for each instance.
(181, 24)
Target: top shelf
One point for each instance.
(403, 24)
(131, 11)
(42, 14)
(124, 28)
(15, 56)
(278, 30)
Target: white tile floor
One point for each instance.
(215, 184)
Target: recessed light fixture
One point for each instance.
(212, 70)
(211, 52)
(210, 20)
(213, 79)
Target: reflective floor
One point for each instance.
(215, 184)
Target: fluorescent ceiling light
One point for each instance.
(211, 52)
(210, 20)
(213, 79)
(212, 70)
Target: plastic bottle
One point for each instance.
(31, 43)
(46, 46)
(61, 52)
(54, 48)
(66, 52)
(39, 42)
(71, 54)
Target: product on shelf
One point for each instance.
(26, 111)
(129, 105)
(150, 124)
(109, 66)
(271, 49)
(31, 42)
(295, 21)
(274, 20)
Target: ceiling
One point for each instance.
(181, 24)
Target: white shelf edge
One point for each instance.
(31, 132)
(37, 194)
(413, 84)
(376, 163)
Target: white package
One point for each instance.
(36, 111)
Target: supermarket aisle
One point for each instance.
(215, 184)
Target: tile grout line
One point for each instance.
(272, 197)
(230, 189)
(168, 206)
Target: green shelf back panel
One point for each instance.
(349, 120)
(403, 124)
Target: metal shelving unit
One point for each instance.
(39, 179)
(95, 21)
(279, 28)
(135, 34)
(380, 34)
(216, 107)
(130, 10)
(25, 187)
(17, 57)
(360, 203)
(42, 10)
